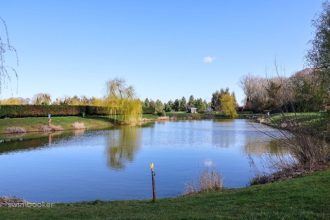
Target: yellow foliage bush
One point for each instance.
(228, 105)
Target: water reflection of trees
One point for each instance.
(248, 135)
(122, 144)
(260, 147)
(16, 143)
(223, 134)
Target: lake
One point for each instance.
(114, 164)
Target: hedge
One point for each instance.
(96, 110)
(18, 111)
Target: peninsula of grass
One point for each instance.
(317, 121)
(33, 124)
(305, 197)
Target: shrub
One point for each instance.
(209, 180)
(309, 151)
(162, 113)
(50, 128)
(78, 126)
(148, 110)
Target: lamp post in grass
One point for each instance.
(152, 169)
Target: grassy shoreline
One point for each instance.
(315, 122)
(305, 197)
(33, 124)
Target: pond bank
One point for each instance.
(306, 197)
(309, 142)
(35, 124)
(317, 122)
(66, 123)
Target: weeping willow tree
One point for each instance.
(123, 106)
(122, 146)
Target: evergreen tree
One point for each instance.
(192, 102)
(183, 104)
(176, 105)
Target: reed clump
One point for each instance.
(209, 181)
(15, 130)
(78, 126)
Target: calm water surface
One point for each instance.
(114, 164)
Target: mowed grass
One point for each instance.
(301, 198)
(304, 116)
(32, 124)
(318, 121)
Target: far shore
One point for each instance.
(16, 126)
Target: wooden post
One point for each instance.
(153, 182)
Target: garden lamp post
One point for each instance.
(152, 169)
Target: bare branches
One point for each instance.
(117, 89)
(6, 71)
(42, 99)
(121, 99)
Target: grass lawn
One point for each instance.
(33, 123)
(299, 116)
(319, 121)
(301, 198)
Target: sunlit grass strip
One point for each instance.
(301, 198)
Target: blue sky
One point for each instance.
(165, 49)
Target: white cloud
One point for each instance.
(208, 59)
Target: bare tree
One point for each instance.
(41, 99)
(304, 134)
(6, 71)
(118, 89)
(254, 88)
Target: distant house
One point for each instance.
(192, 110)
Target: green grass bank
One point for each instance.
(315, 122)
(300, 198)
(33, 124)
